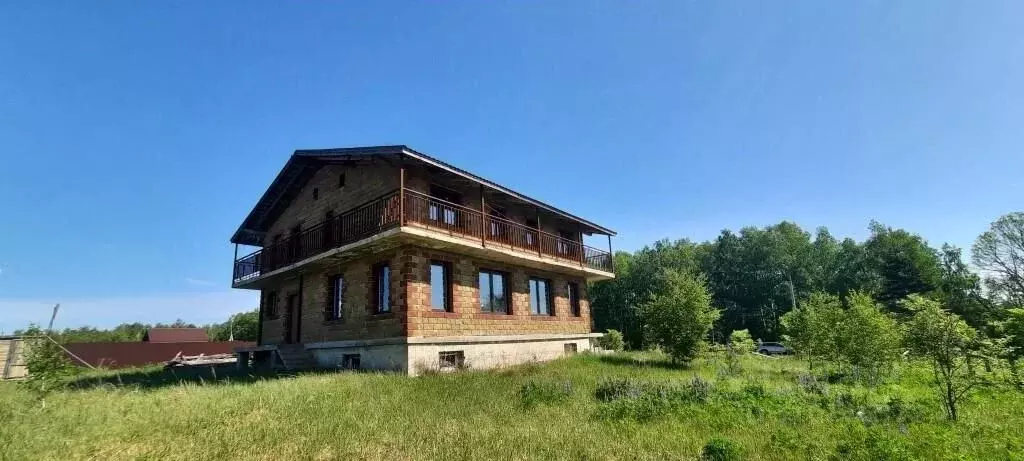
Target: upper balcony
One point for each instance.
(408, 215)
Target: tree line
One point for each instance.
(757, 275)
(244, 326)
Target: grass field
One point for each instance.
(647, 410)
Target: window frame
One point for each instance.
(446, 285)
(382, 291)
(548, 297)
(335, 310)
(270, 305)
(572, 290)
(490, 289)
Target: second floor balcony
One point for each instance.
(406, 209)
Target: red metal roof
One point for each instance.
(176, 335)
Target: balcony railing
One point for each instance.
(384, 212)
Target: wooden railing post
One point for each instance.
(611, 257)
(401, 195)
(540, 235)
(483, 218)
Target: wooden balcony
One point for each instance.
(414, 209)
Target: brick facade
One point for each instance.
(362, 183)
(411, 313)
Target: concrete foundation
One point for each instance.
(415, 356)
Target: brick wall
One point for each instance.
(359, 319)
(363, 182)
(412, 313)
(466, 318)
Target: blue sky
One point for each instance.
(135, 136)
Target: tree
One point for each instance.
(999, 252)
(810, 330)
(244, 325)
(960, 290)
(679, 319)
(946, 342)
(867, 339)
(1013, 331)
(904, 262)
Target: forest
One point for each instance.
(757, 275)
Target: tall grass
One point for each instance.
(770, 410)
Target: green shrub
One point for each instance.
(721, 449)
(48, 366)
(535, 393)
(740, 342)
(612, 341)
(618, 388)
(679, 319)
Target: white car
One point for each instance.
(772, 349)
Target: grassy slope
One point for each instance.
(479, 415)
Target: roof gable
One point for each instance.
(304, 163)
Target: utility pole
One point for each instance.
(49, 328)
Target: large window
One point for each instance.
(440, 286)
(335, 300)
(540, 297)
(574, 298)
(492, 292)
(382, 283)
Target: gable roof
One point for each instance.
(304, 163)
(175, 335)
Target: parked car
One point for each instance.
(773, 349)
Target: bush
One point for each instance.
(48, 366)
(612, 341)
(679, 319)
(740, 342)
(868, 339)
(534, 393)
(720, 449)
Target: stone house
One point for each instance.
(386, 258)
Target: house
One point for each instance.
(386, 258)
(175, 335)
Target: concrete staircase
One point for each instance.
(294, 357)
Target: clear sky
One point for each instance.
(135, 136)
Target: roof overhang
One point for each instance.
(304, 163)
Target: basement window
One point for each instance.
(350, 361)
(451, 359)
(570, 348)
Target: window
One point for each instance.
(570, 348)
(270, 305)
(451, 359)
(540, 297)
(574, 298)
(335, 302)
(341, 180)
(350, 361)
(497, 227)
(316, 193)
(492, 292)
(440, 286)
(382, 282)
